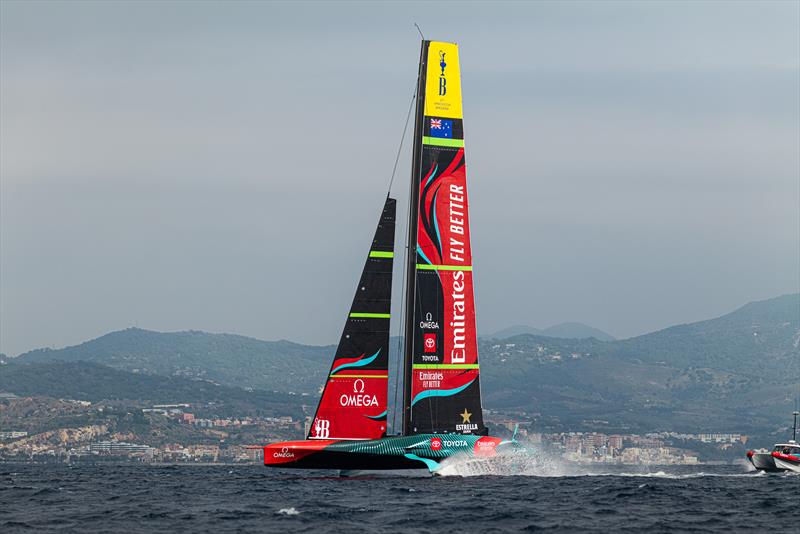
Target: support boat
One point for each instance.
(783, 457)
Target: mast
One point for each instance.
(411, 242)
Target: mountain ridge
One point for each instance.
(224, 358)
(567, 330)
(93, 382)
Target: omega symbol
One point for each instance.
(358, 386)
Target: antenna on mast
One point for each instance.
(419, 30)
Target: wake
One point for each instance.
(537, 463)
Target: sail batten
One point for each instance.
(442, 374)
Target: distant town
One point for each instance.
(160, 433)
(177, 433)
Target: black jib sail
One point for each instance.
(353, 403)
(441, 379)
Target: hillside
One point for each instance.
(562, 330)
(737, 372)
(224, 358)
(92, 382)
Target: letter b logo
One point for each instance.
(442, 86)
(322, 428)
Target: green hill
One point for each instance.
(562, 330)
(224, 358)
(92, 382)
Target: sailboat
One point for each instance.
(442, 414)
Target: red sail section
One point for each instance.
(354, 400)
(352, 407)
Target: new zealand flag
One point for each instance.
(442, 128)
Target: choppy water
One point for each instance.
(251, 498)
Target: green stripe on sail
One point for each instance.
(380, 254)
(360, 315)
(446, 366)
(438, 141)
(428, 267)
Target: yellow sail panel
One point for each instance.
(443, 82)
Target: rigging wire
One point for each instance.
(398, 366)
(401, 342)
(403, 138)
(399, 356)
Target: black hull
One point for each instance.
(353, 461)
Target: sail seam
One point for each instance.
(358, 376)
(426, 267)
(437, 141)
(446, 366)
(380, 254)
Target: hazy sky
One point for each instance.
(221, 167)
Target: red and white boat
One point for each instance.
(787, 456)
(783, 457)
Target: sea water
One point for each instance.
(531, 495)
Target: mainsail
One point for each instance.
(442, 388)
(353, 402)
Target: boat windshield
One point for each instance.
(787, 449)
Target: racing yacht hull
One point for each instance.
(422, 451)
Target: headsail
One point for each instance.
(353, 403)
(442, 389)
